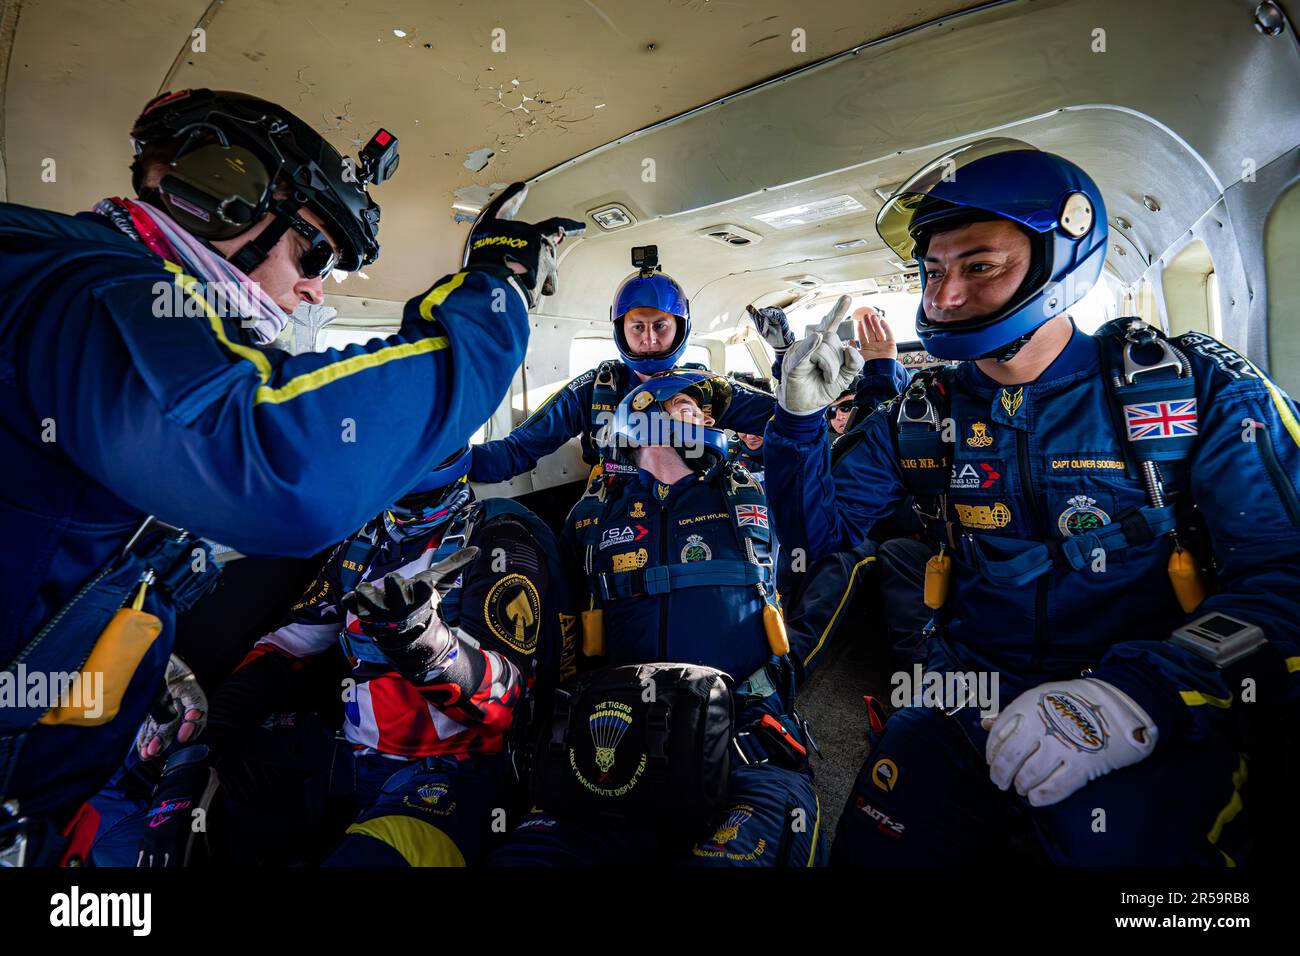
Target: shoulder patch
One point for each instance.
(1227, 360)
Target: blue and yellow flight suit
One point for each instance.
(773, 817)
(109, 413)
(1043, 463)
(574, 410)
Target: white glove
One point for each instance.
(190, 707)
(1058, 736)
(819, 367)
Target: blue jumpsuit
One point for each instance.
(1043, 464)
(649, 524)
(569, 412)
(109, 413)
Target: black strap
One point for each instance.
(254, 253)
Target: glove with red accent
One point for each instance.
(1058, 736)
(177, 826)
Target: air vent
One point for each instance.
(804, 281)
(730, 235)
(850, 244)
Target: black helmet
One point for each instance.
(235, 150)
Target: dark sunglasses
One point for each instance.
(319, 259)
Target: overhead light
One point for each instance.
(850, 244)
(808, 213)
(902, 266)
(612, 217)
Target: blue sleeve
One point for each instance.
(559, 418)
(823, 510)
(267, 452)
(1245, 480)
(880, 381)
(749, 410)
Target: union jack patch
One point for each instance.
(1161, 420)
(751, 514)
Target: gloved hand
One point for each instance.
(526, 250)
(818, 368)
(397, 613)
(773, 326)
(177, 821)
(178, 716)
(1058, 736)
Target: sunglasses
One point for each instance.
(319, 259)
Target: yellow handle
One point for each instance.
(774, 624)
(938, 571)
(593, 632)
(1189, 584)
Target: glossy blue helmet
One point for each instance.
(1053, 200)
(651, 290)
(642, 420)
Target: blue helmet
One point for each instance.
(641, 420)
(434, 500)
(651, 290)
(1055, 201)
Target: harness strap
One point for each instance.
(667, 577)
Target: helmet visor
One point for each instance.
(941, 178)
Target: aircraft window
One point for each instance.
(1097, 307)
(1281, 252)
(588, 353)
(739, 359)
(342, 338)
(1187, 287)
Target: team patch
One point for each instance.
(740, 814)
(1073, 720)
(979, 436)
(996, 515)
(1011, 401)
(751, 514)
(1161, 420)
(638, 510)
(606, 775)
(1081, 516)
(975, 474)
(696, 550)
(513, 612)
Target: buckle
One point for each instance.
(1145, 338)
(925, 415)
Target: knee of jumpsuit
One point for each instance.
(772, 818)
(544, 840)
(438, 811)
(923, 798)
(1181, 806)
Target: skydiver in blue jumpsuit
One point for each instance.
(136, 383)
(673, 513)
(1057, 470)
(651, 316)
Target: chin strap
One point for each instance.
(254, 253)
(1009, 351)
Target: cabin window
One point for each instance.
(1281, 253)
(1191, 291)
